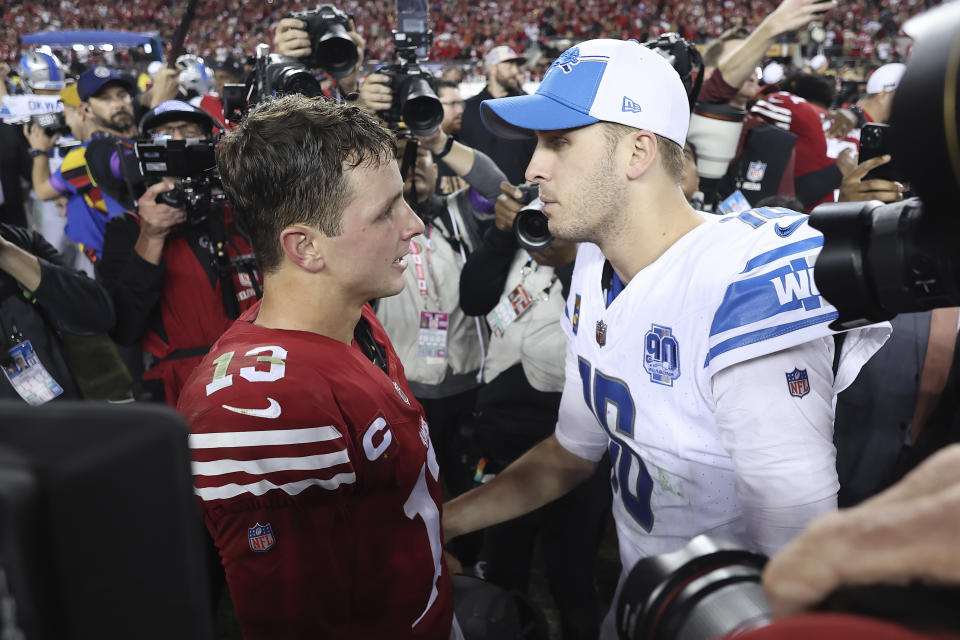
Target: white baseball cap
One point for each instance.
(886, 78)
(598, 80)
(503, 53)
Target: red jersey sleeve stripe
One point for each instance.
(270, 465)
(261, 487)
(263, 438)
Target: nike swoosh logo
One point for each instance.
(783, 232)
(273, 411)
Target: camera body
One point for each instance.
(331, 48)
(272, 75)
(415, 101)
(531, 226)
(199, 191)
(52, 123)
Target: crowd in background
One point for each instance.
(462, 30)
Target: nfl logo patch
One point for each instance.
(798, 383)
(260, 537)
(601, 332)
(756, 171)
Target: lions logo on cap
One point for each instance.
(567, 60)
(101, 72)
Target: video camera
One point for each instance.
(415, 102)
(331, 48)
(879, 260)
(199, 191)
(272, 75)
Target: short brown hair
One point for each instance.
(285, 164)
(670, 153)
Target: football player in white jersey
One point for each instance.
(698, 352)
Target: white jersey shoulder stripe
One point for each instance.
(270, 465)
(259, 488)
(272, 437)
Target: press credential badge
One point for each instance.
(28, 376)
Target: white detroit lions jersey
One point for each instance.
(640, 372)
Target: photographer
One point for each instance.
(106, 103)
(441, 348)
(41, 299)
(517, 408)
(174, 290)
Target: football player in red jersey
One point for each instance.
(311, 457)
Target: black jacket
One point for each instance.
(512, 156)
(66, 301)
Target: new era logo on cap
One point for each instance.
(618, 81)
(630, 106)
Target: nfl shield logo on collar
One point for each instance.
(798, 383)
(260, 537)
(601, 332)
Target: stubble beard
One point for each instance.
(594, 213)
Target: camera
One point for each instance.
(415, 101)
(712, 588)
(705, 590)
(272, 75)
(879, 260)
(531, 226)
(199, 191)
(52, 123)
(331, 48)
(684, 57)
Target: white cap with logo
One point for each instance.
(598, 80)
(886, 78)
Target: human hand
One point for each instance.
(38, 139)
(794, 14)
(156, 218)
(905, 533)
(4, 71)
(847, 161)
(560, 253)
(435, 142)
(509, 204)
(166, 85)
(842, 121)
(291, 38)
(854, 188)
(375, 93)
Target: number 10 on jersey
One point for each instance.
(612, 405)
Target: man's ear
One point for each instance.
(303, 246)
(643, 153)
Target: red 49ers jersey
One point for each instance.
(320, 487)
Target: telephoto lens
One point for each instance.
(708, 589)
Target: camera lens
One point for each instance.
(708, 589)
(288, 78)
(335, 52)
(531, 227)
(422, 111)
